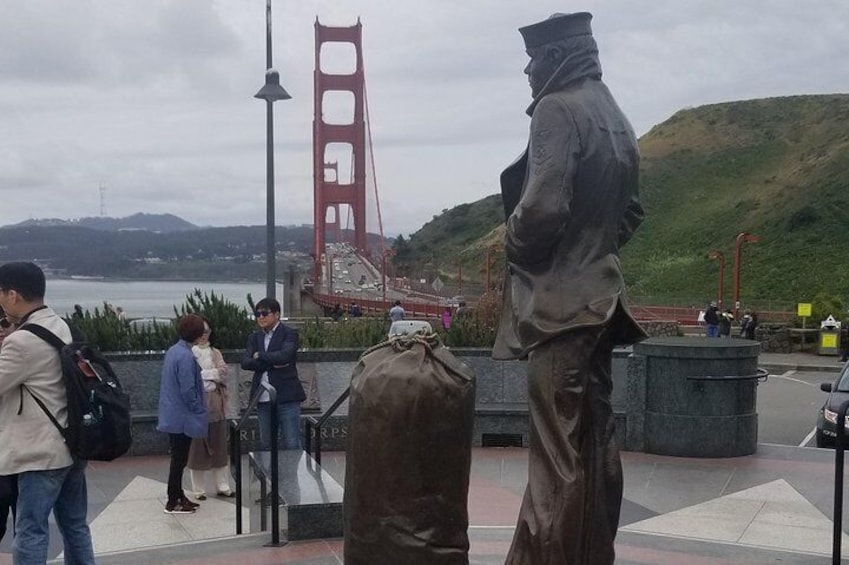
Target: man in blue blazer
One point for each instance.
(271, 354)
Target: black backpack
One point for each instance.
(99, 426)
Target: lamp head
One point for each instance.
(272, 91)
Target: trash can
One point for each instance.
(829, 342)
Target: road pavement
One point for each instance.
(788, 404)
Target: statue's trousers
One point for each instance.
(570, 511)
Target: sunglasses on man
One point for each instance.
(263, 313)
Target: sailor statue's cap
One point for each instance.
(556, 27)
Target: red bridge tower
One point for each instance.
(330, 191)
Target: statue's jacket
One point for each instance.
(571, 201)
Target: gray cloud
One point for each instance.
(153, 98)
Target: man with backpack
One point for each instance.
(49, 478)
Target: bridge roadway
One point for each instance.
(350, 278)
(344, 270)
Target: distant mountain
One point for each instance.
(157, 223)
(226, 253)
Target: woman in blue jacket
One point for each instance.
(182, 408)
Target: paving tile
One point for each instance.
(132, 512)
(199, 528)
(794, 538)
(109, 537)
(696, 526)
(142, 488)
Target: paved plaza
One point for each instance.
(771, 507)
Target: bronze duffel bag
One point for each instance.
(410, 419)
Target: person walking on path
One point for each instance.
(182, 408)
(211, 453)
(446, 318)
(725, 320)
(271, 353)
(49, 478)
(396, 313)
(712, 320)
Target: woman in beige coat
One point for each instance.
(210, 453)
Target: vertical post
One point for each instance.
(721, 256)
(459, 278)
(330, 271)
(236, 457)
(263, 497)
(308, 436)
(742, 238)
(275, 473)
(839, 452)
(488, 267)
(270, 254)
(318, 445)
(383, 276)
(268, 64)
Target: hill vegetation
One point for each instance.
(777, 168)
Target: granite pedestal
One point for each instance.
(693, 397)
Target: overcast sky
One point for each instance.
(153, 99)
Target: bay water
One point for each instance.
(143, 299)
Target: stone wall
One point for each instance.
(661, 328)
(501, 407)
(774, 338)
(501, 394)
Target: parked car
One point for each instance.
(838, 393)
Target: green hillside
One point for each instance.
(777, 168)
(460, 235)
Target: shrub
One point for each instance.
(104, 329)
(346, 333)
(231, 324)
(477, 327)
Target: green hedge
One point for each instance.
(231, 325)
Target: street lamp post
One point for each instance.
(271, 92)
(742, 238)
(721, 256)
(383, 255)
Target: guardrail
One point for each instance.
(317, 424)
(761, 376)
(412, 308)
(236, 458)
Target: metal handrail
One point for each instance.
(839, 452)
(312, 422)
(762, 375)
(236, 457)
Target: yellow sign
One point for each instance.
(828, 341)
(803, 309)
